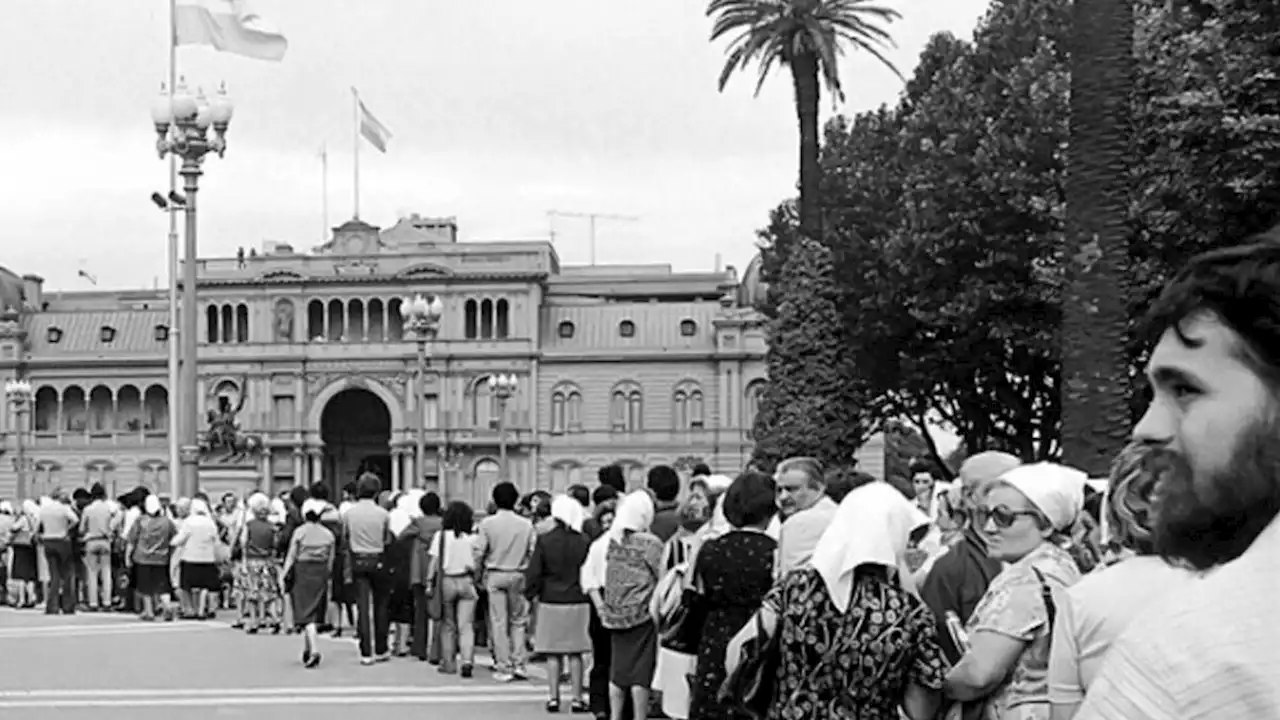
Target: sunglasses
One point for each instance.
(1002, 516)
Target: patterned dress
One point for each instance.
(854, 665)
(735, 571)
(1014, 607)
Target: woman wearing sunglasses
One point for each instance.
(1022, 518)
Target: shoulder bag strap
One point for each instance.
(1051, 610)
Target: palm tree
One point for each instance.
(1095, 367)
(808, 37)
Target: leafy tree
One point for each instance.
(807, 37)
(812, 404)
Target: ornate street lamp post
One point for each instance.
(503, 387)
(19, 394)
(182, 124)
(421, 317)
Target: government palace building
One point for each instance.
(634, 364)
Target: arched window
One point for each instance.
(228, 324)
(626, 408)
(471, 319)
(566, 409)
(211, 333)
(242, 323)
(502, 321)
(486, 319)
(315, 321)
(687, 406)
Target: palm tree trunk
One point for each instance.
(1095, 367)
(804, 75)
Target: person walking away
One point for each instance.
(56, 522)
(306, 580)
(98, 530)
(851, 641)
(451, 552)
(197, 541)
(148, 546)
(422, 531)
(730, 577)
(368, 532)
(633, 560)
(564, 612)
(503, 546)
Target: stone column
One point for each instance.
(317, 464)
(267, 482)
(299, 467)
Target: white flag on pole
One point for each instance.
(374, 131)
(229, 26)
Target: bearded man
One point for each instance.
(1213, 650)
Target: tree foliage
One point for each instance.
(944, 220)
(812, 404)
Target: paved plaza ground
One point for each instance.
(106, 665)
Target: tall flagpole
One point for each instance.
(355, 147)
(175, 409)
(324, 192)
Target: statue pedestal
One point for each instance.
(239, 478)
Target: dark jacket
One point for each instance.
(553, 573)
(956, 583)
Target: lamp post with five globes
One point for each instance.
(19, 394)
(503, 387)
(182, 123)
(421, 317)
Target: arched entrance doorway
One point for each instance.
(356, 430)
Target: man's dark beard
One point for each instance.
(1215, 522)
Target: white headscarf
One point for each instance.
(278, 512)
(312, 505)
(151, 505)
(1055, 490)
(568, 511)
(872, 526)
(405, 511)
(635, 513)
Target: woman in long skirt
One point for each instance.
(308, 567)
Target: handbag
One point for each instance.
(751, 685)
(435, 598)
(681, 630)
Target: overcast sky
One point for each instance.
(501, 110)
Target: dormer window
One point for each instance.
(53, 335)
(162, 333)
(107, 334)
(627, 329)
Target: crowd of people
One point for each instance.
(1015, 592)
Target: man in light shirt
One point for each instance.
(806, 510)
(1212, 650)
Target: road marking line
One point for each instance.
(191, 693)
(293, 700)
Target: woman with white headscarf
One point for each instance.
(849, 634)
(25, 570)
(632, 566)
(552, 578)
(399, 562)
(148, 545)
(1023, 517)
(308, 565)
(197, 541)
